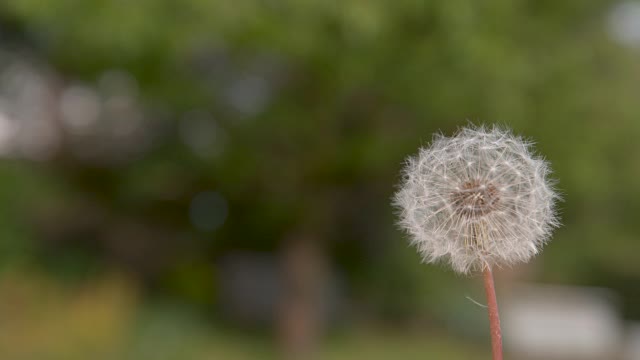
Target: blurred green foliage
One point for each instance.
(352, 88)
(104, 320)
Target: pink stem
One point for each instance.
(494, 317)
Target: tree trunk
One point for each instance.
(300, 316)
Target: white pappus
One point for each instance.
(479, 198)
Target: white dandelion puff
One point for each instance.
(478, 199)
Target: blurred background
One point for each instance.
(212, 180)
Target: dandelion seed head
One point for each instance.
(479, 198)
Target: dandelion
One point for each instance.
(478, 200)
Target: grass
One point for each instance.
(42, 320)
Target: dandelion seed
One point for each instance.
(478, 199)
(496, 204)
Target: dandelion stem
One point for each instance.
(494, 317)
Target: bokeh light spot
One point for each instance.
(208, 211)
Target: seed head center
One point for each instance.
(475, 198)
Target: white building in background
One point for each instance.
(559, 322)
(632, 344)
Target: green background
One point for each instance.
(304, 111)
